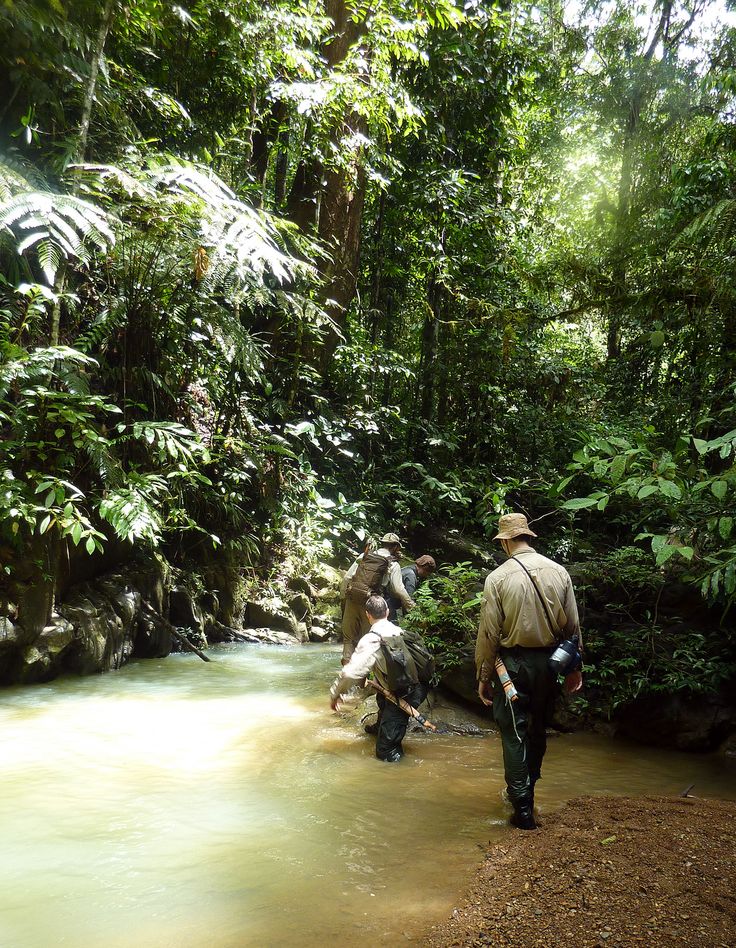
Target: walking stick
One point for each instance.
(400, 703)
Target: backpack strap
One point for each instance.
(553, 628)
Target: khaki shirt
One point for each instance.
(511, 613)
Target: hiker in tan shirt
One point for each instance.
(528, 607)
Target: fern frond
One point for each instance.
(61, 225)
(715, 227)
(17, 175)
(132, 511)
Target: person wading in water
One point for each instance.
(383, 651)
(528, 608)
(372, 574)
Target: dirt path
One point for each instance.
(609, 872)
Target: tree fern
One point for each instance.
(59, 226)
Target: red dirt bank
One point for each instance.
(608, 872)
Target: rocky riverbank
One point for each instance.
(148, 610)
(606, 872)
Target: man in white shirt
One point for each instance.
(370, 655)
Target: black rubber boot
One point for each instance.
(523, 817)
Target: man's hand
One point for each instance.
(573, 682)
(484, 693)
(335, 703)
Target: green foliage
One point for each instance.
(632, 662)
(446, 613)
(679, 499)
(544, 211)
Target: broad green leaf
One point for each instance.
(618, 468)
(580, 503)
(559, 487)
(669, 488)
(665, 553)
(700, 446)
(646, 491)
(656, 339)
(725, 524)
(719, 489)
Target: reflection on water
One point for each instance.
(184, 804)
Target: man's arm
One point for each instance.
(361, 662)
(487, 642)
(572, 626)
(573, 681)
(395, 586)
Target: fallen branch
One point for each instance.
(187, 644)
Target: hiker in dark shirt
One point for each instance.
(412, 576)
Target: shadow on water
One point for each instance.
(191, 804)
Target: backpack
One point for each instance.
(423, 658)
(368, 578)
(401, 672)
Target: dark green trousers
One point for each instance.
(523, 723)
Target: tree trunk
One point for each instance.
(428, 363)
(81, 149)
(281, 164)
(623, 210)
(302, 202)
(336, 196)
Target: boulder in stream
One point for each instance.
(268, 637)
(271, 614)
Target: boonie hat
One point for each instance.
(390, 538)
(513, 525)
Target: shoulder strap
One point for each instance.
(555, 631)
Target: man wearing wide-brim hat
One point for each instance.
(528, 608)
(374, 573)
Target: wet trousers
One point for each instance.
(392, 724)
(523, 723)
(354, 625)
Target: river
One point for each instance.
(177, 803)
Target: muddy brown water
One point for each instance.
(181, 804)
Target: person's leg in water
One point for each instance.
(392, 726)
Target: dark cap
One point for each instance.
(425, 562)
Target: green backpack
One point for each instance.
(422, 656)
(401, 672)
